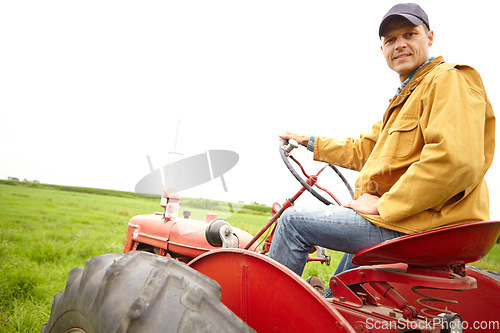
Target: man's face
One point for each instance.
(406, 46)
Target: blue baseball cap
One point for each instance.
(410, 11)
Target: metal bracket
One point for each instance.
(321, 253)
(227, 237)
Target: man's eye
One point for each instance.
(390, 41)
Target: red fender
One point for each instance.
(267, 295)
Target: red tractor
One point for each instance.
(183, 275)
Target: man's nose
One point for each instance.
(400, 43)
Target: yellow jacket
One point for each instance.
(428, 156)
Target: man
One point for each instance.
(420, 168)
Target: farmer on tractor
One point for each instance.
(421, 167)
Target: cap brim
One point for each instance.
(413, 19)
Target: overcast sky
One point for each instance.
(88, 89)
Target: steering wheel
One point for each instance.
(285, 148)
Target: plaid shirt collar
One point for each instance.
(403, 85)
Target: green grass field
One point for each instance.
(46, 230)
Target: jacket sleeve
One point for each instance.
(349, 154)
(452, 123)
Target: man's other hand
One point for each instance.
(365, 204)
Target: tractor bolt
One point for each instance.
(359, 326)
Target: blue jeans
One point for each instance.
(333, 227)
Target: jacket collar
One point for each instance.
(414, 82)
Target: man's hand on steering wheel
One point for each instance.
(302, 139)
(286, 146)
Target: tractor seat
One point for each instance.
(450, 245)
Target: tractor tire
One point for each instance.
(492, 274)
(140, 292)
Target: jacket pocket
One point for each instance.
(400, 140)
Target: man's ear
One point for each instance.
(430, 36)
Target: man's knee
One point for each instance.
(289, 217)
